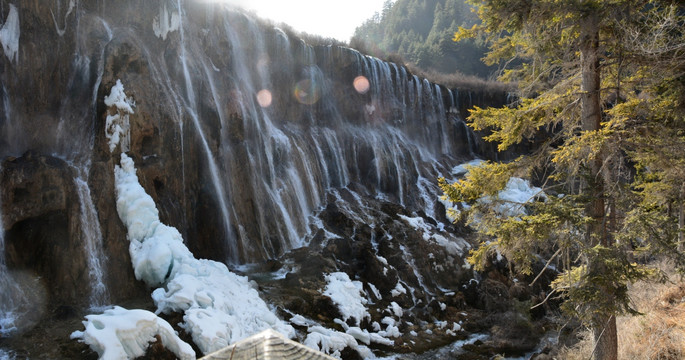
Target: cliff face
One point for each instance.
(251, 142)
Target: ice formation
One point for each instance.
(9, 35)
(329, 341)
(462, 169)
(117, 129)
(220, 307)
(348, 295)
(517, 192)
(165, 22)
(333, 342)
(62, 31)
(126, 334)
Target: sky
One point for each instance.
(328, 18)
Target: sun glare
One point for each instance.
(264, 98)
(336, 19)
(361, 84)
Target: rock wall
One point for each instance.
(240, 132)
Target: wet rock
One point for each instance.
(42, 219)
(41, 215)
(303, 186)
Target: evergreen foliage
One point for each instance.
(602, 83)
(420, 32)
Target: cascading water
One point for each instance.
(213, 168)
(244, 136)
(279, 157)
(92, 241)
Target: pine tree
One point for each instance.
(583, 86)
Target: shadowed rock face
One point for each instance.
(41, 215)
(251, 142)
(38, 200)
(239, 180)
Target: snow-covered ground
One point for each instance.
(125, 334)
(350, 298)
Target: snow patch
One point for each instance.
(391, 330)
(454, 248)
(125, 334)
(329, 341)
(396, 309)
(9, 35)
(117, 128)
(398, 290)
(348, 295)
(462, 169)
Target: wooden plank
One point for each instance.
(267, 345)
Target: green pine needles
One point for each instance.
(602, 100)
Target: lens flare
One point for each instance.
(307, 92)
(264, 98)
(361, 84)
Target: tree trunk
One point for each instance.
(606, 338)
(604, 327)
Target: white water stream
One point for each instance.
(92, 244)
(211, 162)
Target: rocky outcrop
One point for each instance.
(41, 215)
(254, 144)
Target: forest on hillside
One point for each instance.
(420, 33)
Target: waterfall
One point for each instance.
(275, 123)
(276, 179)
(211, 162)
(251, 142)
(92, 241)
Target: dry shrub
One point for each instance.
(581, 350)
(658, 334)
